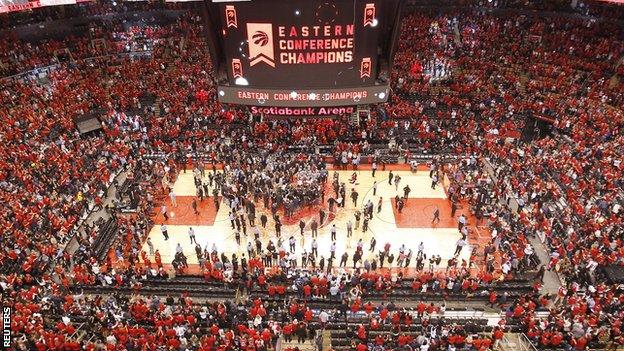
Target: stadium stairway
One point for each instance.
(516, 342)
(308, 345)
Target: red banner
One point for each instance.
(22, 5)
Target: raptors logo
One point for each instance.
(365, 67)
(369, 15)
(237, 68)
(260, 39)
(230, 16)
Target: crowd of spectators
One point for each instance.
(507, 71)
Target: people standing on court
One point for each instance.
(191, 234)
(349, 228)
(461, 222)
(354, 196)
(163, 230)
(172, 197)
(150, 245)
(314, 228)
(301, 226)
(421, 249)
(163, 211)
(343, 260)
(373, 243)
(360, 245)
(436, 216)
(432, 169)
(194, 206)
(343, 194)
(217, 202)
(408, 258)
(232, 219)
(291, 243)
(278, 227)
(459, 246)
(199, 193)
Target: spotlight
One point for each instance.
(376, 22)
(297, 12)
(221, 93)
(293, 94)
(241, 81)
(382, 95)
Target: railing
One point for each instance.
(522, 343)
(33, 73)
(526, 342)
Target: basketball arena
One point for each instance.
(312, 175)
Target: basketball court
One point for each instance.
(410, 227)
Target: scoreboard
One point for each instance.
(302, 52)
(302, 42)
(22, 5)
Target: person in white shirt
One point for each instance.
(191, 234)
(461, 221)
(150, 245)
(314, 247)
(323, 317)
(111, 339)
(506, 267)
(172, 197)
(459, 246)
(180, 330)
(163, 211)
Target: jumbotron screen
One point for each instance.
(22, 5)
(301, 42)
(306, 46)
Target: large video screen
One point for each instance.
(22, 5)
(301, 43)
